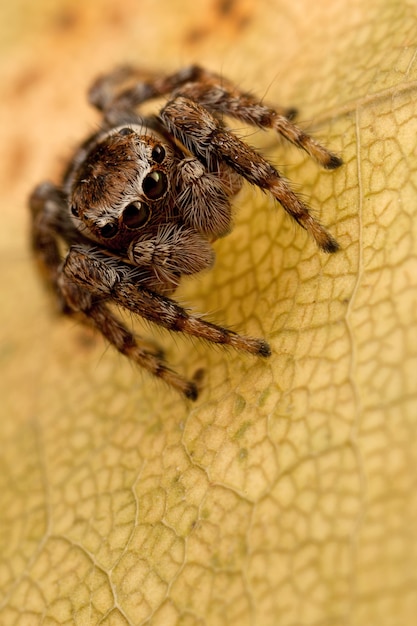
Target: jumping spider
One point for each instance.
(144, 197)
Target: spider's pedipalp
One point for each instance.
(204, 198)
(164, 252)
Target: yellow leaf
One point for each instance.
(286, 494)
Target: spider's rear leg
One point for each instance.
(127, 87)
(120, 88)
(204, 136)
(48, 208)
(228, 100)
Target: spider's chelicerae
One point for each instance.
(144, 197)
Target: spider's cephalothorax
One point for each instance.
(143, 199)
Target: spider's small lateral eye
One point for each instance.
(74, 210)
(126, 131)
(136, 214)
(109, 230)
(158, 153)
(155, 185)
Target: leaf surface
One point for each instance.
(286, 494)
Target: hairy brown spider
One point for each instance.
(143, 199)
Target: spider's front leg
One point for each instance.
(224, 98)
(88, 281)
(205, 137)
(87, 271)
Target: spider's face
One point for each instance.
(122, 186)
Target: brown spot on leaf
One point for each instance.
(225, 7)
(227, 18)
(196, 35)
(66, 20)
(18, 158)
(237, 14)
(87, 339)
(25, 81)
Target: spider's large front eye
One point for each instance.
(136, 214)
(109, 230)
(155, 185)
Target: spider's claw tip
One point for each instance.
(193, 388)
(330, 245)
(291, 113)
(333, 162)
(264, 348)
(198, 376)
(191, 391)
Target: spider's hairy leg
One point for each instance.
(127, 87)
(86, 284)
(47, 206)
(167, 313)
(228, 100)
(132, 346)
(204, 135)
(119, 87)
(90, 271)
(218, 93)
